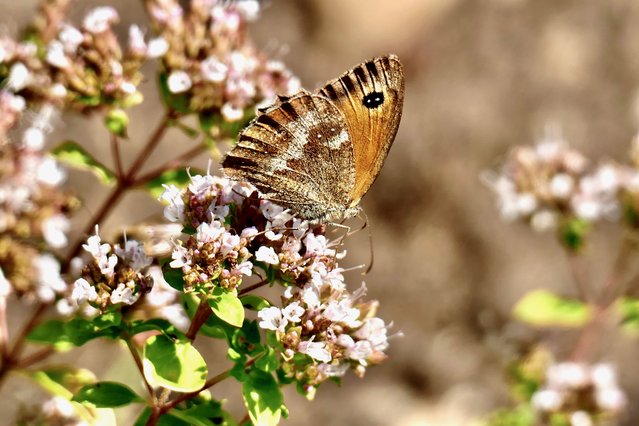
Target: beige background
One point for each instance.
(482, 75)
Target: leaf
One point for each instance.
(173, 364)
(107, 394)
(573, 233)
(263, 398)
(178, 102)
(116, 122)
(226, 306)
(51, 333)
(75, 156)
(269, 362)
(156, 324)
(79, 330)
(62, 381)
(254, 302)
(174, 277)
(628, 308)
(543, 308)
(178, 177)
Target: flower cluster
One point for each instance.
(550, 182)
(34, 211)
(211, 60)
(583, 393)
(115, 276)
(324, 330)
(81, 68)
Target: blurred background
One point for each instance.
(481, 76)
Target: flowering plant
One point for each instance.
(197, 276)
(554, 188)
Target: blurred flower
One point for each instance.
(582, 392)
(211, 59)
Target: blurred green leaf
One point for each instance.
(628, 309)
(117, 121)
(75, 156)
(174, 277)
(522, 415)
(107, 394)
(178, 102)
(263, 398)
(62, 381)
(254, 302)
(573, 233)
(156, 324)
(51, 333)
(543, 308)
(226, 306)
(173, 364)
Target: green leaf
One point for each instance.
(62, 381)
(107, 394)
(628, 308)
(178, 177)
(573, 233)
(269, 362)
(263, 398)
(75, 156)
(254, 302)
(79, 330)
(174, 277)
(156, 324)
(51, 333)
(226, 306)
(173, 364)
(543, 308)
(116, 122)
(178, 102)
(522, 415)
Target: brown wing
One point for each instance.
(371, 97)
(297, 153)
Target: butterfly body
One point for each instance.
(318, 153)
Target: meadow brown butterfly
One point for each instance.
(318, 153)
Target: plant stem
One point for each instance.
(252, 287)
(4, 329)
(201, 315)
(175, 162)
(577, 271)
(139, 365)
(117, 158)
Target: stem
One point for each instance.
(184, 397)
(139, 365)
(252, 287)
(176, 162)
(117, 158)
(35, 357)
(577, 271)
(4, 329)
(201, 315)
(124, 182)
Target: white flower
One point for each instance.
(567, 374)
(174, 211)
(107, 264)
(330, 370)
(267, 255)
(100, 19)
(124, 294)
(293, 312)
(231, 112)
(56, 55)
(342, 312)
(375, 331)
(50, 281)
(209, 232)
(610, 399)
(360, 351)
(218, 212)
(157, 47)
(19, 77)
(133, 253)
(249, 9)
(272, 319)
(59, 407)
(229, 243)
(50, 172)
(316, 350)
(245, 268)
(561, 185)
(70, 37)
(249, 233)
(311, 297)
(200, 186)
(547, 400)
(179, 82)
(33, 138)
(83, 291)
(180, 256)
(544, 220)
(94, 247)
(54, 230)
(580, 418)
(58, 90)
(213, 70)
(604, 376)
(137, 44)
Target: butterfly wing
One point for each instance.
(370, 97)
(297, 153)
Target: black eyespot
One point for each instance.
(373, 100)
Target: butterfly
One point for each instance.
(318, 153)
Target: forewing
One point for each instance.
(371, 97)
(297, 153)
